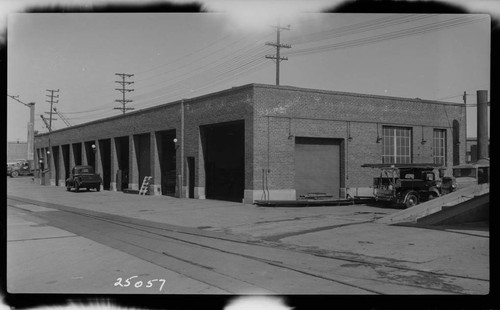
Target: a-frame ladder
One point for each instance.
(145, 185)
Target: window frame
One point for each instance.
(397, 145)
(439, 147)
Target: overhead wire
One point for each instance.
(454, 22)
(248, 62)
(379, 21)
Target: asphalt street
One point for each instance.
(111, 242)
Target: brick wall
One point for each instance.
(226, 106)
(273, 116)
(17, 150)
(281, 111)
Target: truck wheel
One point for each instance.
(68, 188)
(77, 187)
(433, 195)
(98, 188)
(14, 174)
(411, 200)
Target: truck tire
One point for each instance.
(433, 194)
(14, 174)
(411, 200)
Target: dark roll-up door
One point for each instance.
(317, 166)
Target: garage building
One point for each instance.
(258, 142)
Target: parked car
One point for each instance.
(472, 174)
(19, 167)
(83, 177)
(409, 184)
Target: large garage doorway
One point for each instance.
(65, 154)
(142, 144)
(105, 150)
(167, 158)
(122, 155)
(224, 154)
(77, 153)
(57, 170)
(90, 153)
(317, 166)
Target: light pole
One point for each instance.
(31, 130)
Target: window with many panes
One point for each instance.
(439, 146)
(396, 145)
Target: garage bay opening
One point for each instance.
(167, 157)
(224, 154)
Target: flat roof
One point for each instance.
(251, 85)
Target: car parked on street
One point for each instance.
(409, 184)
(83, 177)
(19, 167)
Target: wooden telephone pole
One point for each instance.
(278, 58)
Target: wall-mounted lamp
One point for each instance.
(379, 139)
(48, 152)
(349, 132)
(94, 148)
(423, 141)
(290, 137)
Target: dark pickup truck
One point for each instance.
(83, 177)
(410, 184)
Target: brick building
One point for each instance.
(259, 141)
(17, 150)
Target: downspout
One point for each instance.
(181, 185)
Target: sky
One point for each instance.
(175, 56)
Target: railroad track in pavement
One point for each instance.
(241, 265)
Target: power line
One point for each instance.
(340, 31)
(63, 118)
(247, 63)
(454, 22)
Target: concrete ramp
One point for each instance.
(473, 210)
(413, 214)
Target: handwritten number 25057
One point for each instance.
(127, 282)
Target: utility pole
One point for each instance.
(278, 46)
(45, 121)
(124, 90)
(51, 96)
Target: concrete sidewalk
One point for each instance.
(344, 231)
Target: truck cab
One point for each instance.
(19, 167)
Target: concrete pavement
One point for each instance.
(346, 231)
(45, 259)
